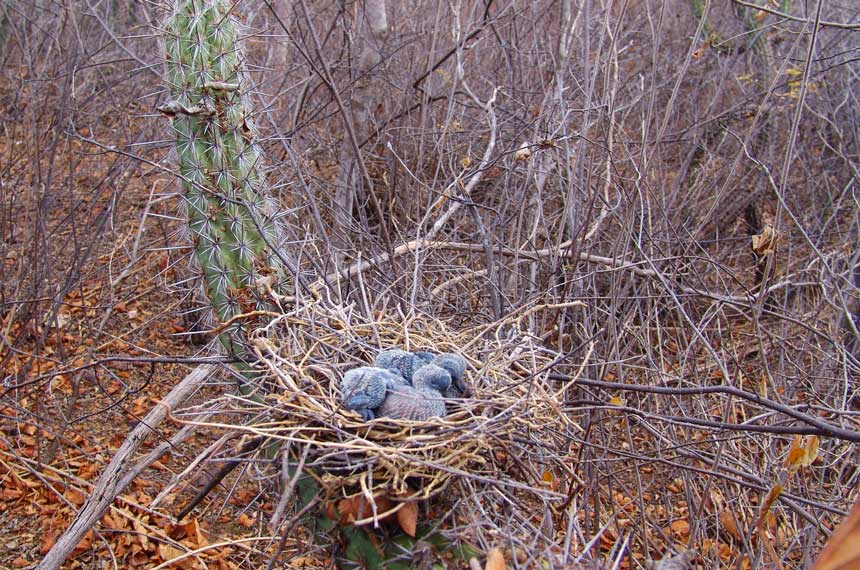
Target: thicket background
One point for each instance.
(688, 169)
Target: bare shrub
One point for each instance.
(687, 170)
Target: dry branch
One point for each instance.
(111, 482)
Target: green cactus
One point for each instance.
(230, 218)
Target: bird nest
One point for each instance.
(509, 426)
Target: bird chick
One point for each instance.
(422, 400)
(423, 357)
(455, 365)
(401, 362)
(364, 389)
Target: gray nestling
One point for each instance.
(364, 389)
(422, 400)
(455, 365)
(401, 362)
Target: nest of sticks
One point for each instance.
(503, 433)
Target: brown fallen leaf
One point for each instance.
(407, 518)
(727, 519)
(168, 552)
(495, 559)
(357, 508)
(139, 559)
(245, 520)
(48, 540)
(765, 242)
(189, 534)
(680, 528)
(142, 534)
(842, 551)
(85, 544)
(307, 563)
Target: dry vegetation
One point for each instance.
(644, 214)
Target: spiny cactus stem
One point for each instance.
(233, 226)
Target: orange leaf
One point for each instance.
(727, 519)
(796, 457)
(772, 495)
(48, 540)
(307, 562)
(495, 559)
(85, 544)
(138, 559)
(407, 518)
(349, 509)
(357, 508)
(811, 450)
(112, 523)
(766, 520)
(245, 521)
(842, 551)
(701, 50)
(75, 497)
(142, 533)
(189, 534)
(11, 494)
(167, 552)
(242, 497)
(88, 471)
(795, 452)
(681, 528)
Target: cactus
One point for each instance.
(231, 220)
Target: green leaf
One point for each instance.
(361, 549)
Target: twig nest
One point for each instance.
(306, 354)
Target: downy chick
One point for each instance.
(455, 365)
(401, 362)
(422, 400)
(364, 389)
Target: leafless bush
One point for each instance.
(688, 169)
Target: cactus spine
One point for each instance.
(232, 225)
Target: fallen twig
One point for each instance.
(111, 481)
